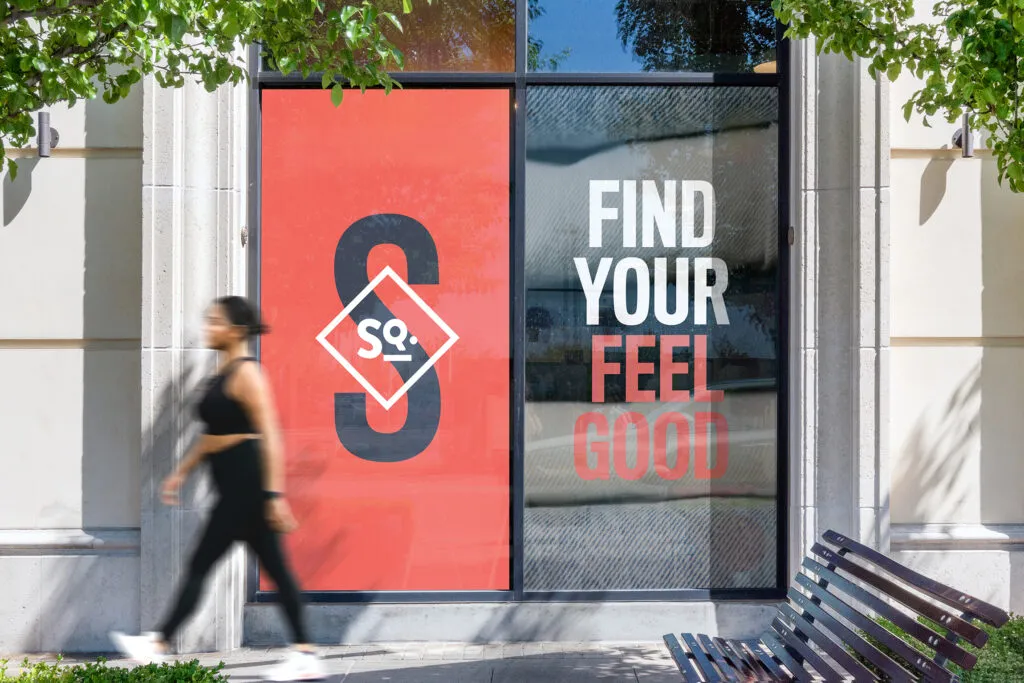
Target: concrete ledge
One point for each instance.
(910, 537)
(75, 541)
(482, 623)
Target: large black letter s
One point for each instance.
(424, 397)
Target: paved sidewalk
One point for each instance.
(460, 663)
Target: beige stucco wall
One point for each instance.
(957, 324)
(70, 297)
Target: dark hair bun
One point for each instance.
(241, 313)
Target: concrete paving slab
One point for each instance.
(457, 663)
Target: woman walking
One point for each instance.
(242, 443)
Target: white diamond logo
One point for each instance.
(387, 402)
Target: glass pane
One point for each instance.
(453, 35)
(652, 329)
(651, 35)
(389, 351)
(456, 35)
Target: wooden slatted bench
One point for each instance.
(831, 604)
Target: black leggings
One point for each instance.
(239, 516)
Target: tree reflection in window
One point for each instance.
(535, 58)
(697, 35)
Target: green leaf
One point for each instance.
(407, 6)
(1016, 173)
(337, 95)
(893, 72)
(178, 28)
(394, 20)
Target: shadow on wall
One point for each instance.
(1002, 426)
(17, 192)
(934, 182)
(972, 438)
(929, 480)
(107, 578)
(87, 592)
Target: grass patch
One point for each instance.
(1000, 661)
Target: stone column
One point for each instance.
(194, 209)
(840, 298)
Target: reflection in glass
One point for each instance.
(615, 495)
(456, 35)
(448, 35)
(650, 35)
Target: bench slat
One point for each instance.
(802, 625)
(707, 669)
(911, 626)
(798, 672)
(760, 650)
(848, 637)
(728, 669)
(681, 658)
(970, 632)
(990, 614)
(747, 669)
(790, 638)
(875, 630)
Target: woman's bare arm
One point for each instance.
(195, 456)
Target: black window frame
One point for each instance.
(517, 83)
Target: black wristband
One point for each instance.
(271, 495)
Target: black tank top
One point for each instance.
(221, 413)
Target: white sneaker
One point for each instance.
(144, 649)
(297, 666)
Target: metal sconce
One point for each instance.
(46, 137)
(964, 139)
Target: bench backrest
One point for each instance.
(847, 579)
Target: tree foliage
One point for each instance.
(968, 55)
(62, 51)
(716, 35)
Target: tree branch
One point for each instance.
(94, 47)
(45, 11)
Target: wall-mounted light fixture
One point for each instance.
(46, 137)
(963, 138)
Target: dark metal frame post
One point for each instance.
(252, 247)
(518, 283)
(518, 84)
(784, 304)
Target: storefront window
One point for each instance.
(650, 35)
(651, 338)
(604, 419)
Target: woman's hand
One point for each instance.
(280, 516)
(170, 488)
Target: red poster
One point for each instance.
(385, 279)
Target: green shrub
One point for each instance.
(1000, 661)
(99, 672)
